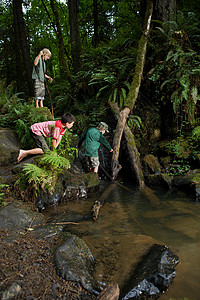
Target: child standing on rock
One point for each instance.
(39, 75)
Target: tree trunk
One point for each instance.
(132, 149)
(18, 57)
(61, 43)
(96, 23)
(122, 117)
(19, 25)
(75, 35)
(165, 10)
(130, 102)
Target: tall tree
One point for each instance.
(129, 104)
(96, 23)
(76, 48)
(22, 45)
(61, 42)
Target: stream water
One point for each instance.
(128, 222)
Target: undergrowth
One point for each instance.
(42, 174)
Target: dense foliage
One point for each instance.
(106, 52)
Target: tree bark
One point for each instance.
(76, 48)
(132, 149)
(19, 26)
(96, 23)
(129, 104)
(122, 117)
(61, 43)
(99, 203)
(165, 10)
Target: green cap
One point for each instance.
(103, 125)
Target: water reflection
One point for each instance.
(128, 221)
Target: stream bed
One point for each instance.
(129, 220)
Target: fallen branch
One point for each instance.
(99, 203)
(65, 223)
(109, 177)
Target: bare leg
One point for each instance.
(41, 103)
(36, 103)
(24, 153)
(96, 169)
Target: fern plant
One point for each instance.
(52, 161)
(134, 121)
(65, 149)
(3, 187)
(37, 177)
(115, 89)
(43, 174)
(196, 133)
(177, 73)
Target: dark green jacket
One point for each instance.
(38, 71)
(93, 138)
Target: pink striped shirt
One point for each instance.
(49, 129)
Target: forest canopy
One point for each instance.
(94, 46)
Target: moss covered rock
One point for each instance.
(151, 164)
(9, 146)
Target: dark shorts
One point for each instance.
(39, 89)
(39, 141)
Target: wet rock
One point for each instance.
(159, 180)
(14, 219)
(165, 161)
(153, 275)
(151, 164)
(67, 216)
(45, 199)
(14, 290)
(111, 292)
(9, 147)
(27, 160)
(74, 261)
(68, 187)
(74, 192)
(189, 183)
(45, 232)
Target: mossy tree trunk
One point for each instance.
(132, 149)
(22, 44)
(129, 104)
(76, 49)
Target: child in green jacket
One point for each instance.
(92, 139)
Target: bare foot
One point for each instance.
(20, 156)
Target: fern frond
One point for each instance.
(52, 159)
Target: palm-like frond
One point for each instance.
(53, 160)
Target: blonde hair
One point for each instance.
(46, 52)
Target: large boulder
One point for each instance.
(153, 275)
(68, 187)
(75, 262)
(15, 218)
(9, 146)
(189, 183)
(151, 164)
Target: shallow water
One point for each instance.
(129, 221)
